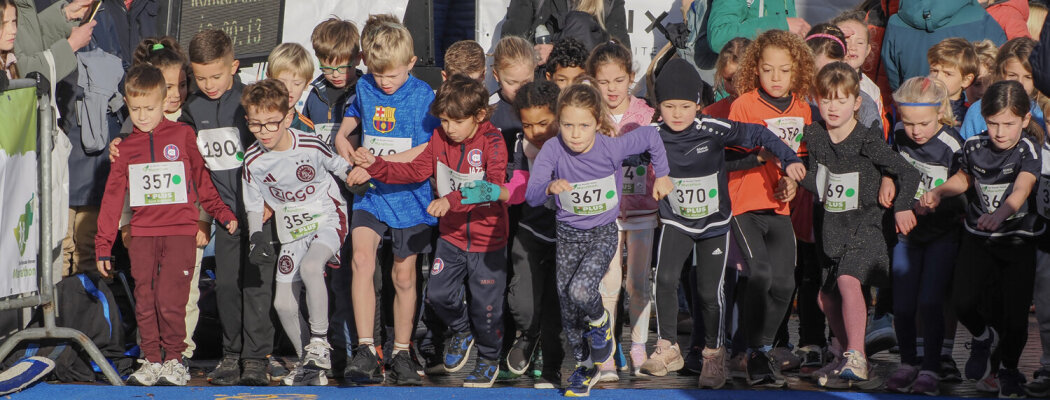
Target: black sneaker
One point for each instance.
(404, 370)
(979, 366)
(520, 354)
(694, 362)
(1011, 384)
(227, 373)
(365, 367)
(949, 371)
(548, 380)
(1040, 385)
(483, 375)
(760, 371)
(457, 350)
(254, 373)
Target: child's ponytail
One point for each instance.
(921, 90)
(161, 52)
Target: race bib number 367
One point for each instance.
(590, 197)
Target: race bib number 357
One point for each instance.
(590, 197)
(155, 184)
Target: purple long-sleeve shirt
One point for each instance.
(596, 175)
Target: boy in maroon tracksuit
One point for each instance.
(465, 152)
(165, 175)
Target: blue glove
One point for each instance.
(479, 191)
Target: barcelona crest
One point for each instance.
(383, 120)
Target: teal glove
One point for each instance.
(479, 191)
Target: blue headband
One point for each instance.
(920, 104)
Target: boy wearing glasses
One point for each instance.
(337, 46)
(291, 172)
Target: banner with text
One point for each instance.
(19, 211)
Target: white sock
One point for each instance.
(399, 347)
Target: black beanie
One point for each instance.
(678, 80)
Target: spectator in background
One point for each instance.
(8, 29)
(56, 29)
(540, 20)
(1012, 16)
(738, 18)
(919, 24)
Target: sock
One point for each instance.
(600, 321)
(367, 342)
(947, 347)
(920, 347)
(318, 336)
(399, 347)
(983, 336)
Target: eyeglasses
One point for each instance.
(342, 69)
(270, 126)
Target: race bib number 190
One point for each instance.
(590, 197)
(221, 148)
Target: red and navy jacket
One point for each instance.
(169, 141)
(470, 227)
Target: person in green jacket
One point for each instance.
(748, 18)
(58, 29)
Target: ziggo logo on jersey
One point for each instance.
(298, 195)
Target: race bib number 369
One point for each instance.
(590, 197)
(221, 148)
(838, 191)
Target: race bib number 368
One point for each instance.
(384, 146)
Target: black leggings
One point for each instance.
(673, 249)
(767, 242)
(993, 288)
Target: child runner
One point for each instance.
(290, 171)
(610, 65)
(566, 62)
(532, 297)
(725, 70)
(846, 164)
(697, 214)
(996, 265)
(470, 259)
(587, 211)
(513, 65)
(987, 52)
(162, 154)
(1010, 64)
(954, 63)
(924, 259)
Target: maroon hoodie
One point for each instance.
(470, 227)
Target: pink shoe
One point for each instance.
(638, 358)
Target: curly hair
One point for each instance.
(746, 79)
(537, 94)
(567, 52)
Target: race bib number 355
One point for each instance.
(221, 148)
(155, 184)
(297, 220)
(590, 197)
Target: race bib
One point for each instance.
(297, 220)
(1043, 196)
(992, 196)
(325, 131)
(384, 146)
(221, 148)
(930, 176)
(449, 181)
(156, 184)
(788, 129)
(590, 197)
(634, 180)
(839, 192)
(695, 198)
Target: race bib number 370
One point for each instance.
(695, 198)
(221, 148)
(156, 184)
(590, 197)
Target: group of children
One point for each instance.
(549, 192)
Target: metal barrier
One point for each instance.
(45, 297)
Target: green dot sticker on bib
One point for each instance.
(639, 170)
(240, 156)
(590, 197)
(850, 193)
(712, 193)
(610, 194)
(176, 179)
(938, 182)
(694, 197)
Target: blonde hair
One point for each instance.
(986, 54)
(955, 53)
(595, 8)
(513, 50)
(289, 57)
(921, 89)
(387, 46)
(1036, 18)
(584, 95)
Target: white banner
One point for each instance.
(19, 201)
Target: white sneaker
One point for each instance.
(318, 354)
(147, 374)
(174, 373)
(300, 376)
(289, 378)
